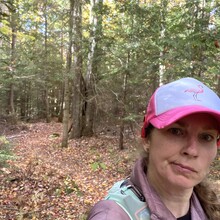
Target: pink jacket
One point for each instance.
(109, 210)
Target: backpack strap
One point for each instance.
(130, 199)
(134, 189)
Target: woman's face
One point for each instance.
(180, 154)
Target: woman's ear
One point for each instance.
(146, 144)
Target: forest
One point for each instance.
(75, 77)
(89, 63)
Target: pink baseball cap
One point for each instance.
(177, 99)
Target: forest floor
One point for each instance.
(45, 181)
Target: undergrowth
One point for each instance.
(5, 151)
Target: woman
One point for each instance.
(181, 133)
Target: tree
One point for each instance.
(94, 57)
(13, 60)
(66, 106)
(78, 81)
(119, 52)
(47, 105)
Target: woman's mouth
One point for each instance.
(183, 168)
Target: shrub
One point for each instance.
(5, 151)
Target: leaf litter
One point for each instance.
(48, 182)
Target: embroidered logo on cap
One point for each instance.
(195, 92)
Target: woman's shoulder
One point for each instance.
(106, 210)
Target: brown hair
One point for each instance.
(205, 191)
(208, 199)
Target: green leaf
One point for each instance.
(103, 166)
(95, 165)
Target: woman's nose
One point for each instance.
(191, 147)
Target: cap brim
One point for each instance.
(169, 117)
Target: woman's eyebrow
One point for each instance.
(212, 130)
(179, 123)
(206, 127)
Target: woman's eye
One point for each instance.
(207, 137)
(176, 131)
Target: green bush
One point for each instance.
(5, 151)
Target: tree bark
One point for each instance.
(66, 110)
(92, 66)
(123, 110)
(78, 93)
(66, 104)
(162, 36)
(13, 62)
(47, 103)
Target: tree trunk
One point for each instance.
(163, 14)
(62, 86)
(61, 102)
(24, 101)
(92, 65)
(13, 62)
(78, 93)
(66, 107)
(11, 98)
(124, 102)
(47, 103)
(66, 110)
(123, 110)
